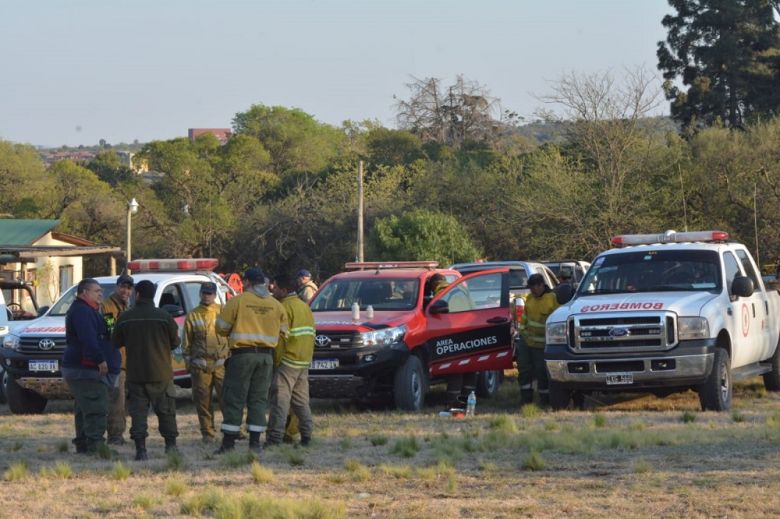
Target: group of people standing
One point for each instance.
(259, 346)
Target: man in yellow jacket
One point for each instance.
(539, 304)
(205, 352)
(252, 322)
(290, 386)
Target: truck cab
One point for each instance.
(402, 338)
(662, 313)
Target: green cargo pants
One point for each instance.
(162, 397)
(247, 380)
(289, 391)
(90, 410)
(117, 408)
(204, 382)
(530, 366)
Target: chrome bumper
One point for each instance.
(50, 388)
(686, 367)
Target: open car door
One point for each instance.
(469, 325)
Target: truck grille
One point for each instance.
(623, 334)
(42, 345)
(324, 341)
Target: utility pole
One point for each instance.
(360, 212)
(755, 223)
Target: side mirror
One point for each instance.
(173, 310)
(563, 293)
(42, 310)
(742, 286)
(439, 307)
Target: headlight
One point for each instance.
(555, 333)
(384, 337)
(692, 328)
(11, 341)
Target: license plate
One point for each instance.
(43, 365)
(324, 364)
(619, 379)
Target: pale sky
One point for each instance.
(77, 71)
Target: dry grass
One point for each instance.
(625, 457)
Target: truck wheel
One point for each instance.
(772, 379)
(715, 393)
(3, 385)
(23, 401)
(560, 396)
(409, 385)
(488, 383)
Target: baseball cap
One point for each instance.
(125, 279)
(208, 288)
(303, 273)
(254, 275)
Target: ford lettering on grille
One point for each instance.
(619, 332)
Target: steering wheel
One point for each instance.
(15, 307)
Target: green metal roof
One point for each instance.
(24, 232)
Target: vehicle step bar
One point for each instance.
(749, 371)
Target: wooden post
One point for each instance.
(112, 264)
(360, 212)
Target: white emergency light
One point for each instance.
(669, 237)
(173, 265)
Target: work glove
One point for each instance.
(219, 362)
(199, 363)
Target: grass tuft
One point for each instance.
(120, 472)
(145, 501)
(357, 471)
(396, 471)
(737, 417)
(261, 474)
(295, 458)
(688, 417)
(533, 461)
(63, 446)
(406, 447)
(599, 420)
(236, 458)
(530, 411)
(175, 461)
(642, 466)
(175, 486)
(216, 503)
(504, 423)
(377, 440)
(17, 472)
(60, 470)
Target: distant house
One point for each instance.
(222, 134)
(31, 250)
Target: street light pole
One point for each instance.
(132, 208)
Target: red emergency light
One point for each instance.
(669, 237)
(173, 265)
(370, 265)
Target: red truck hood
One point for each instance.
(343, 320)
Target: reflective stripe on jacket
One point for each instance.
(114, 306)
(200, 334)
(534, 319)
(252, 320)
(296, 347)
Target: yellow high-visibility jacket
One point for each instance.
(296, 347)
(534, 319)
(252, 320)
(200, 334)
(114, 306)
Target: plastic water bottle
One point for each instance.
(369, 312)
(355, 311)
(471, 404)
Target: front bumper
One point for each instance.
(686, 365)
(48, 384)
(361, 372)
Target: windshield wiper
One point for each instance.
(604, 291)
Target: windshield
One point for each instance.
(60, 308)
(653, 271)
(381, 294)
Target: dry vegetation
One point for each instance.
(631, 458)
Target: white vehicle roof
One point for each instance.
(717, 247)
(156, 277)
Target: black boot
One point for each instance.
(140, 449)
(526, 396)
(305, 441)
(228, 443)
(81, 445)
(254, 442)
(170, 445)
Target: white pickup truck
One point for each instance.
(662, 313)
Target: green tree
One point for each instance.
(388, 147)
(422, 235)
(108, 167)
(725, 53)
(23, 181)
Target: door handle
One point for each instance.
(754, 309)
(498, 320)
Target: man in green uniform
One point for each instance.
(205, 353)
(148, 335)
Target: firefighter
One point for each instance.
(205, 353)
(252, 322)
(110, 309)
(306, 287)
(290, 386)
(539, 304)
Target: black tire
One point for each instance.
(772, 379)
(488, 383)
(578, 398)
(409, 385)
(715, 393)
(23, 401)
(3, 384)
(560, 396)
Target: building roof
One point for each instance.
(20, 232)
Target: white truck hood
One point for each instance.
(681, 303)
(52, 326)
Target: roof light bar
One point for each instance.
(173, 265)
(669, 237)
(380, 265)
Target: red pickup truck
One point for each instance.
(403, 339)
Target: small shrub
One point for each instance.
(17, 471)
(63, 446)
(120, 472)
(396, 471)
(533, 461)
(60, 470)
(504, 423)
(175, 486)
(295, 458)
(642, 467)
(261, 474)
(737, 417)
(529, 411)
(345, 444)
(357, 471)
(378, 440)
(550, 426)
(773, 420)
(104, 452)
(599, 420)
(487, 466)
(236, 458)
(175, 461)
(688, 417)
(144, 501)
(434, 472)
(17, 446)
(637, 425)
(406, 447)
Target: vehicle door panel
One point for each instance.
(758, 332)
(475, 335)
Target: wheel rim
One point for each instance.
(724, 382)
(491, 381)
(416, 388)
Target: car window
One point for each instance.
(747, 266)
(732, 269)
(62, 305)
(171, 295)
(475, 294)
(518, 279)
(192, 294)
(380, 294)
